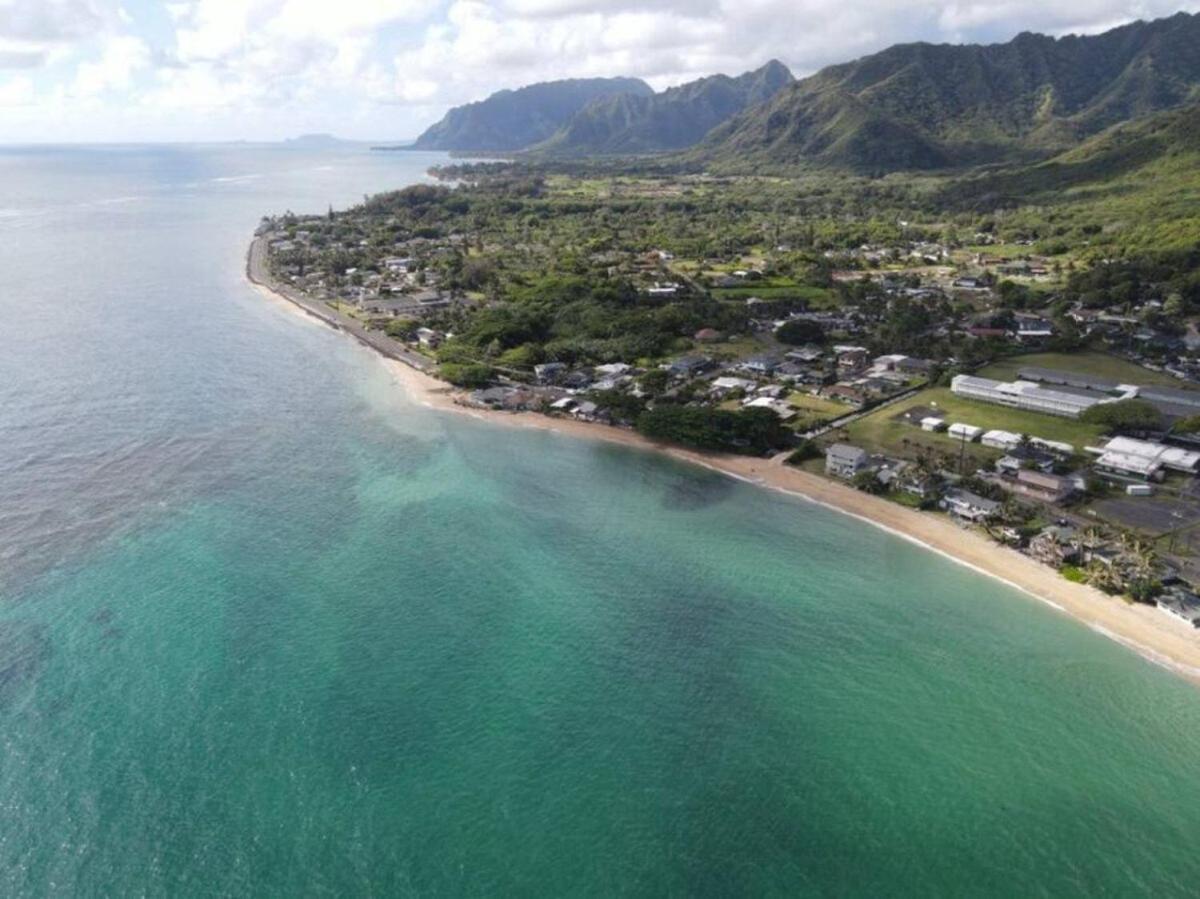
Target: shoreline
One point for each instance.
(1142, 629)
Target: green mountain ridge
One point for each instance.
(674, 119)
(1164, 143)
(512, 120)
(925, 106)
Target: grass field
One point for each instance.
(1100, 365)
(881, 431)
(805, 292)
(814, 409)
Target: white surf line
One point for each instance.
(1146, 652)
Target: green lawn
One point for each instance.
(800, 292)
(881, 432)
(823, 407)
(1100, 365)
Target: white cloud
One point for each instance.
(121, 58)
(385, 68)
(47, 21)
(17, 91)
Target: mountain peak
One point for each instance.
(510, 120)
(674, 119)
(969, 104)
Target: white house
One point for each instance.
(844, 461)
(966, 505)
(1002, 440)
(964, 432)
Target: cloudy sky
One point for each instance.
(104, 70)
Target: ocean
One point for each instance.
(268, 628)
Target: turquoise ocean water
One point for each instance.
(267, 628)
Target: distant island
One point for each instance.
(315, 141)
(954, 290)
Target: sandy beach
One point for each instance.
(1142, 629)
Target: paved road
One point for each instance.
(256, 271)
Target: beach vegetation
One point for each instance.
(749, 431)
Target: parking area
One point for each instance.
(1151, 515)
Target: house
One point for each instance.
(689, 366)
(968, 506)
(844, 461)
(794, 371)
(669, 289)
(807, 354)
(724, 385)
(549, 372)
(844, 393)
(1033, 327)
(919, 483)
(1055, 546)
(577, 380)
(964, 432)
(851, 359)
(1181, 604)
(1001, 440)
(1022, 458)
(781, 408)
(587, 411)
(429, 339)
(493, 397)
(613, 370)
(983, 332)
(897, 362)
(760, 365)
(1049, 488)
(932, 423)
(969, 284)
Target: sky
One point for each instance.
(198, 70)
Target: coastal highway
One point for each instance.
(258, 273)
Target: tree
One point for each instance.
(799, 331)
(867, 481)
(466, 375)
(1189, 425)
(1123, 417)
(400, 328)
(752, 431)
(806, 450)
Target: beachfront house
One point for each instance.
(1181, 604)
(844, 461)
(1055, 546)
(968, 506)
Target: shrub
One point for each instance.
(1124, 416)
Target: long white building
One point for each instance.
(1023, 395)
(1143, 458)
